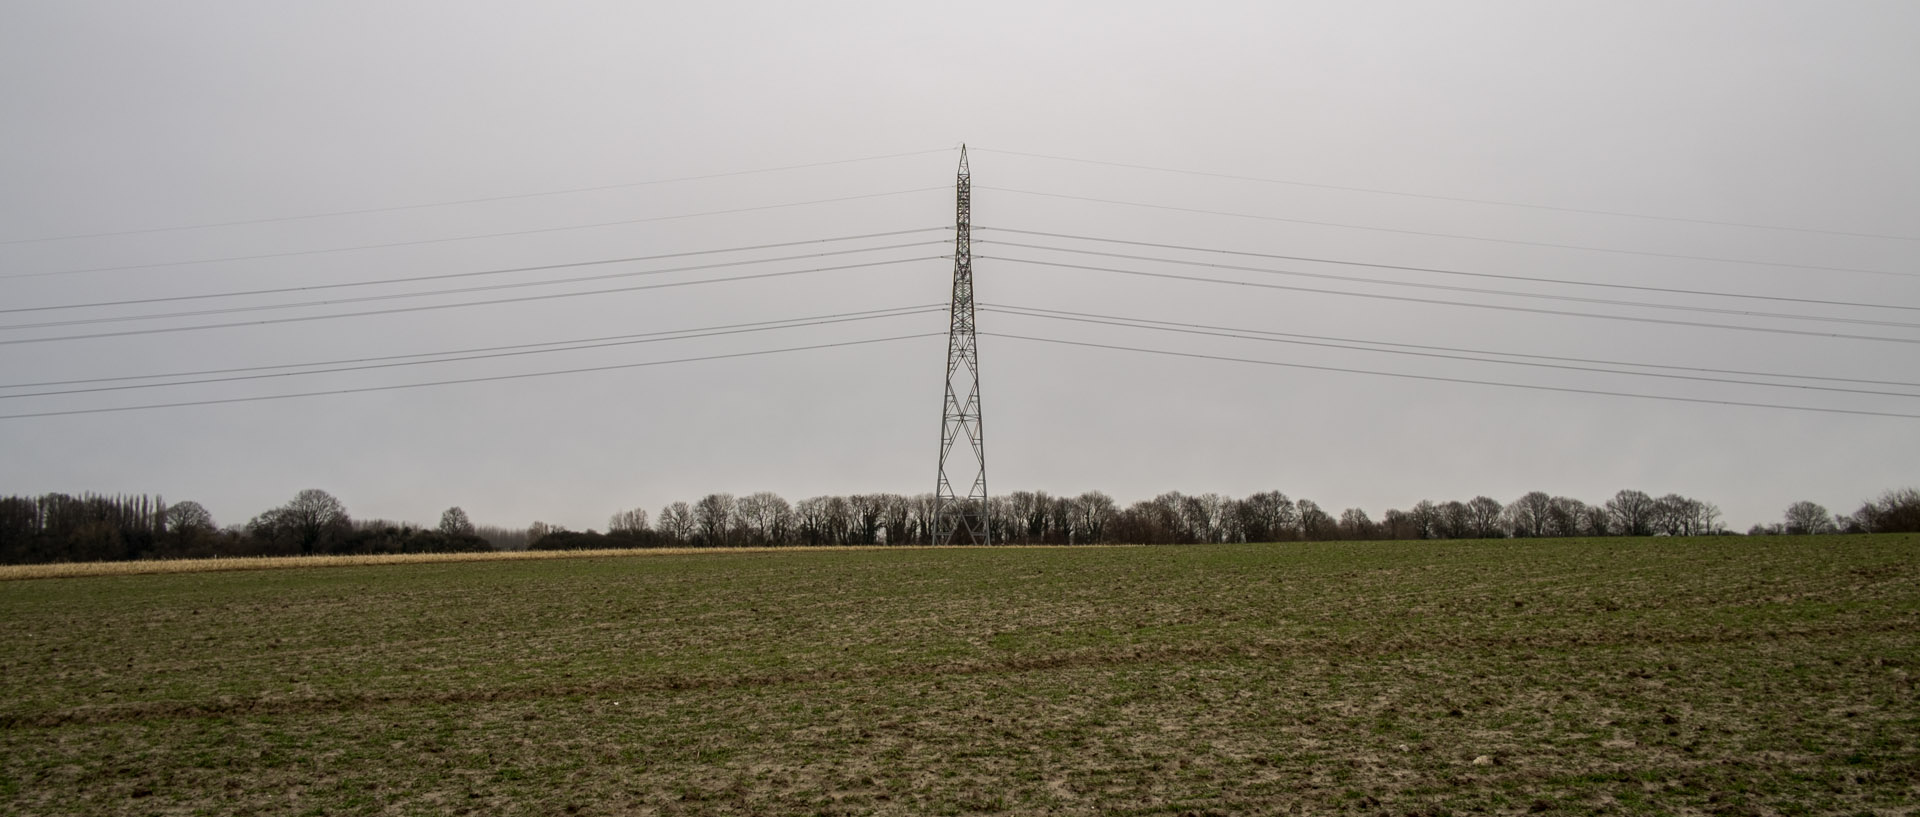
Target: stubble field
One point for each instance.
(1706, 676)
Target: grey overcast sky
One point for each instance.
(1759, 155)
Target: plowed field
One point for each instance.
(1706, 676)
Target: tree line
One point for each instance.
(90, 527)
(1035, 517)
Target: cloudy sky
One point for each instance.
(1715, 203)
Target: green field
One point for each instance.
(1709, 676)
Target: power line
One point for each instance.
(1669, 367)
(898, 310)
(1429, 234)
(1463, 199)
(1473, 290)
(516, 351)
(1441, 271)
(1439, 379)
(452, 275)
(423, 241)
(1281, 337)
(1409, 299)
(453, 202)
(430, 307)
(454, 291)
(493, 378)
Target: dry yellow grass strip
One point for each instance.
(74, 569)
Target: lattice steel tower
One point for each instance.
(958, 520)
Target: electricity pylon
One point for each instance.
(958, 520)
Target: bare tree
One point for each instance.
(1483, 516)
(920, 516)
(1267, 517)
(1029, 515)
(1060, 518)
(188, 515)
(188, 530)
(1595, 521)
(1202, 515)
(454, 522)
(1896, 511)
(1170, 514)
(869, 514)
(1807, 518)
(1150, 521)
(677, 522)
(539, 529)
(1315, 524)
(896, 516)
(314, 521)
(1675, 515)
(628, 521)
(1428, 522)
(1455, 520)
(1632, 513)
(1530, 514)
(1003, 519)
(1233, 520)
(1398, 524)
(838, 515)
(1093, 512)
(713, 516)
(810, 521)
(1354, 524)
(1564, 516)
(1706, 518)
(764, 518)
(780, 532)
(750, 514)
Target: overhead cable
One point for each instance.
(453, 202)
(1430, 234)
(1430, 347)
(1437, 301)
(1439, 379)
(1440, 271)
(452, 275)
(376, 358)
(516, 351)
(489, 379)
(1473, 290)
(457, 290)
(1277, 337)
(431, 307)
(451, 239)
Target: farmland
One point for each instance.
(1725, 676)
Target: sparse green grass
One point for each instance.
(62, 570)
(1710, 676)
